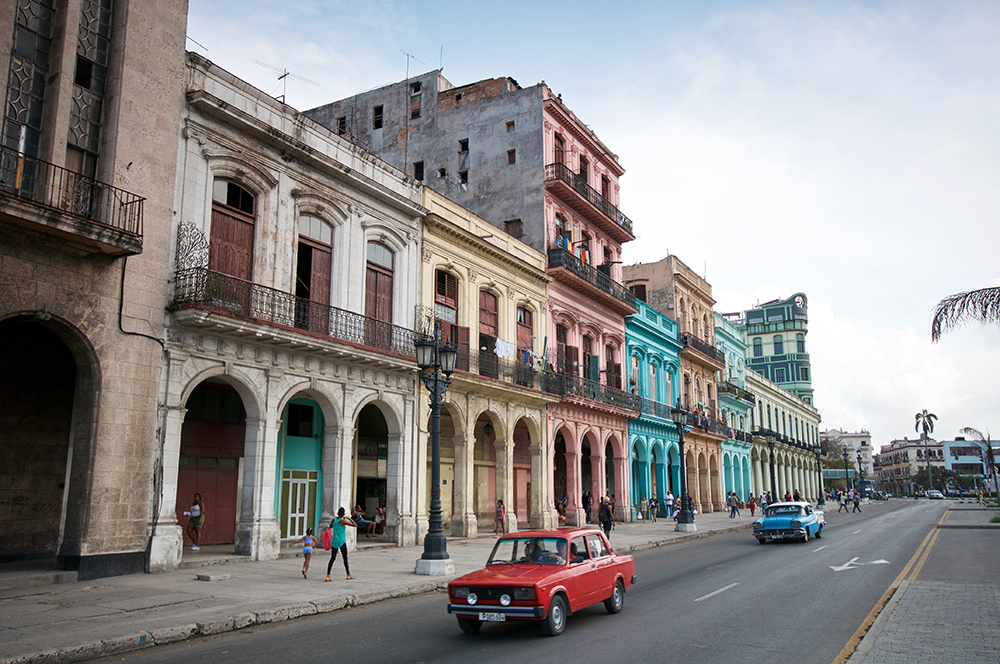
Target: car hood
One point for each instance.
(507, 574)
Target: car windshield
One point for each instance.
(530, 550)
(784, 510)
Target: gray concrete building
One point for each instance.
(88, 151)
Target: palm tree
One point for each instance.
(925, 421)
(988, 457)
(981, 305)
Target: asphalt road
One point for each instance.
(720, 599)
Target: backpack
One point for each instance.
(327, 539)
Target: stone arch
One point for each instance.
(240, 169)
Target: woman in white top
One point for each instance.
(197, 515)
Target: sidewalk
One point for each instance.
(932, 621)
(74, 621)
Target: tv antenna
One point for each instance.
(283, 76)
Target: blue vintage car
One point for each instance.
(793, 520)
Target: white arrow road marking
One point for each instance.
(820, 548)
(848, 565)
(853, 564)
(720, 590)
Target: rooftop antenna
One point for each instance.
(406, 107)
(283, 76)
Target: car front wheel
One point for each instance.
(819, 532)
(805, 538)
(469, 625)
(615, 603)
(555, 622)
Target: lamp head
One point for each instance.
(425, 348)
(449, 358)
(677, 416)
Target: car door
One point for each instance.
(603, 574)
(581, 568)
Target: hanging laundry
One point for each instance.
(504, 348)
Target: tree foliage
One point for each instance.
(981, 305)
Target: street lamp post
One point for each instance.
(437, 363)
(861, 476)
(818, 451)
(771, 440)
(847, 481)
(685, 520)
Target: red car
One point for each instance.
(542, 575)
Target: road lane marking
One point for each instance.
(720, 590)
(856, 532)
(820, 548)
(852, 643)
(848, 565)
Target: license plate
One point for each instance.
(492, 617)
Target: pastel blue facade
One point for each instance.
(653, 363)
(735, 403)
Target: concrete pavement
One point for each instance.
(79, 620)
(935, 621)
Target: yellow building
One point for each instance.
(487, 292)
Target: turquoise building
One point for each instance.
(735, 402)
(653, 350)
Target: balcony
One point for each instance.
(573, 272)
(574, 386)
(716, 358)
(486, 364)
(589, 202)
(55, 201)
(201, 288)
(727, 387)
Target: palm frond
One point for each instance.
(973, 433)
(981, 305)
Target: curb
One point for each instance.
(183, 632)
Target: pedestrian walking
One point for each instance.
(752, 504)
(500, 520)
(604, 516)
(857, 502)
(339, 541)
(308, 543)
(763, 501)
(654, 507)
(668, 502)
(644, 509)
(588, 503)
(195, 523)
(843, 502)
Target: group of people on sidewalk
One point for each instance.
(852, 497)
(333, 539)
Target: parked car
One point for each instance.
(791, 520)
(934, 494)
(542, 575)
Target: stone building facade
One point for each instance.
(290, 379)
(92, 98)
(488, 291)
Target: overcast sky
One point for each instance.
(847, 150)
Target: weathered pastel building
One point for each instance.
(671, 286)
(290, 383)
(520, 159)
(93, 96)
(488, 290)
(735, 402)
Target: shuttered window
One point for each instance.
(378, 286)
(446, 297)
(232, 233)
(488, 314)
(524, 329)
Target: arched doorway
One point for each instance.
(39, 380)
(300, 468)
(522, 472)
(371, 455)
(609, 472)
(559, 468)
(484, 474)
(211, 458)
(586, 467)
(655, 475)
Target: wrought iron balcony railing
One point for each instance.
(609, 210)
(563, 258)
(727, 387)
(244, 299)
(589, 389)
(73, 194)
(485, 363)
(703, 347)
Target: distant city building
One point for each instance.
(898, 461)
(858, 443)
(965, 457)
(775, 333)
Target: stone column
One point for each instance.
(574, 513)
(336, 477)
(257, 533)
(504, 471)
(167, 542)
(541, 513)
(463, 506)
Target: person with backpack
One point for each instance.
(338, 541)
